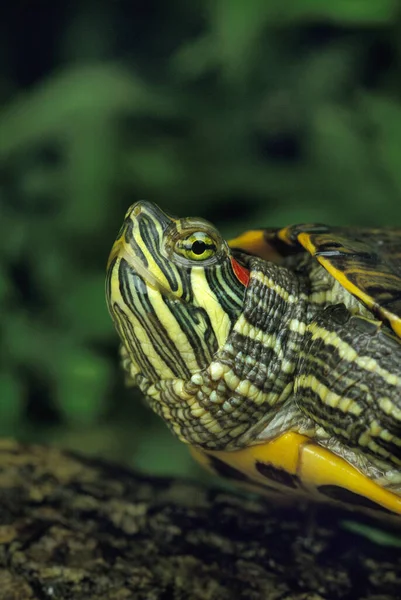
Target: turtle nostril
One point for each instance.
(133, 211)
(136, 211)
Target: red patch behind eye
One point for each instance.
(241, 273)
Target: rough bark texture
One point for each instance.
(82, 529)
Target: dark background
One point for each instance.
(246, 112)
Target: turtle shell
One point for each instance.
(366, 262)
(181, 381)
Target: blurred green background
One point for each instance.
(244, 112)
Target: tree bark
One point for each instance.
(76, 528)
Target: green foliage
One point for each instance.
(244, 112)
(377, 536)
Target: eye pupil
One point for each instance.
(198, 247)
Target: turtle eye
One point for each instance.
(197, 246)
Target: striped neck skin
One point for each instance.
(211, 337)
(248, 385)
(250, 382)
(173, 291)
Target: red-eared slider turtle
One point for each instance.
(276, 356)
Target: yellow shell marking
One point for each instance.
(342, 278)
(311, 465)
(254, 242)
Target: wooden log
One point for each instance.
(76, 528)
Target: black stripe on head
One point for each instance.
(131, 342)
(152, 240)
(203, 345)
(229, 291)
(130, 240)
(141, 307)
(108, 283)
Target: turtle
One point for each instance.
(276, 356)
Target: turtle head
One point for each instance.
(174, 290)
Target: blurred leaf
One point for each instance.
(55, 271)
(91, 151)
(346, 162)
(11, 402)
(101, 439)
(237, 31)
(194, 58)
(158, 166)
(321, 77)
(83, 309)
(161, 453)
(51, 108)
(83, 382)
(373, 534)
(39, 181)
(12, 234)
(27, 340)
(384, 114)
(4, 283)
(362, 12)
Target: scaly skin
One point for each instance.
(251, 376)
(234, 351)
